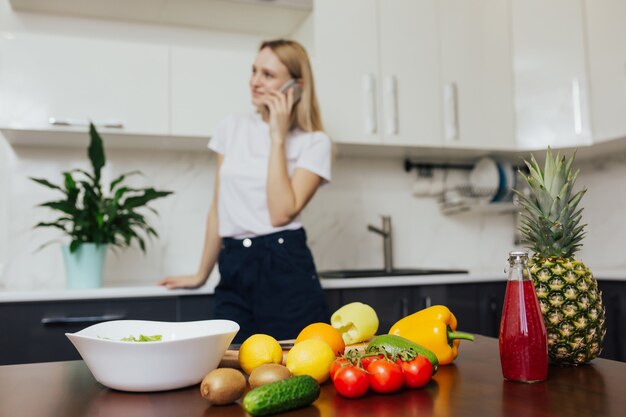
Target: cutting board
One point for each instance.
(230, 358)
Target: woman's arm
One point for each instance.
(212, 245)
(286, 197)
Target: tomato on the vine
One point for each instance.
(366, 360)
(417, 372)
(351, 381)
(336, 365)
(385, 376)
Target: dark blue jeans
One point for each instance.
(268, 284)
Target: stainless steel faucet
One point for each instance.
(385, 232)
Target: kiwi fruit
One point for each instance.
(223, 386)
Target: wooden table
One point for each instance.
(473, 386)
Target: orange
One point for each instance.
(324, 332)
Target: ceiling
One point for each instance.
(263, 17)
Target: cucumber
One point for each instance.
(295, 392)
(393, 344)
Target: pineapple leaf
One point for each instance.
(551, 219)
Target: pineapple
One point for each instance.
(568, 294)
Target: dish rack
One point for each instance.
(467, 199)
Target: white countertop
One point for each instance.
(141, 291)
(400, 281)
(99, 293)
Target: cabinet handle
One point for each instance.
(63, 320)
(110, 124)
(391, 105)
(577, 106)
(427, 302)
(450, 111)
(369, 103)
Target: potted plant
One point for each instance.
(94, 219)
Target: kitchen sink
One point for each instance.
(370, 273)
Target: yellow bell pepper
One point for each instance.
(435, 329)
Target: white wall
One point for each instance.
(604, 247)
(336, 219)
(180, 222)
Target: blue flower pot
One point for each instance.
(84, 267)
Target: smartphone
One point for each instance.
(297, 89)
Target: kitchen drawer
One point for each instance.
(35, 332)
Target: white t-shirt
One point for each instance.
(245, 142)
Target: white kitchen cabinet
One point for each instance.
(208, 85)
(409, 90)
(117, 84)
(476, 74)
(550, 79)
(416, 72)
(346, 69)
(377, 71)
(606, 52)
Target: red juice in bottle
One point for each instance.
(523, 339)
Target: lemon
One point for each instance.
(311, 357)
(258, 350)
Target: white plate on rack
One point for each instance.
(484, 179)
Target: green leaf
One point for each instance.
(70, 184)
(121, 178)
(74, 246)
(96, 151)
(148, 195)
(62, 205)
(85, 173)
(47, 183)
(50, 224)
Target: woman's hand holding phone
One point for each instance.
(280, 104)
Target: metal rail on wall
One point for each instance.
(425, 169)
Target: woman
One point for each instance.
(269, 165)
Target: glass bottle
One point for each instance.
(523, 339)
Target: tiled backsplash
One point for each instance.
(336, 219)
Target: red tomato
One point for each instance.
(417, 372)
(385, 376)
(336, 365)
(366, 360)
(351, 381)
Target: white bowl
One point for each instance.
(186, 353)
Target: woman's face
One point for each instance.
(268, 74)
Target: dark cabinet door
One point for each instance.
(195, 307)
(35, 331)
(614, 298)
(333, 301)
(477, 306)
(428, 295)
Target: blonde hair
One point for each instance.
(306, 114)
